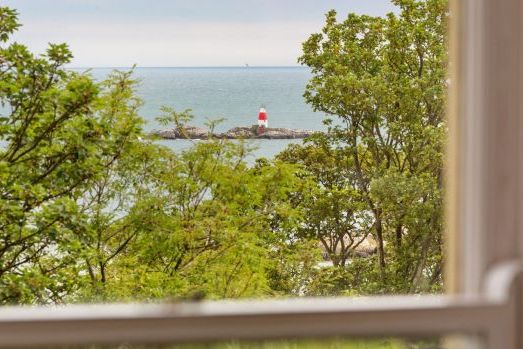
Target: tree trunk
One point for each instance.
(379, 238)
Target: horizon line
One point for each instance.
(181, 66)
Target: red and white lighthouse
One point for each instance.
(262, 118)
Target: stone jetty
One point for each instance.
(252, 132)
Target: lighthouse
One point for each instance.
(262, 121)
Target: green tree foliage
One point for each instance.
(384, 79)
(201, 225)
(332, 210)
(93, 209)
(60, 131)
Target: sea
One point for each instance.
(234, 94)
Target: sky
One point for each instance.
(168, 33)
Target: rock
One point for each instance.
(284, 133)
(239, 133)
(187, 132)
(165, 134)
(193, 132)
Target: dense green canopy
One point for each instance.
(384, 82)
(93, 209)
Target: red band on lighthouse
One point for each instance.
(262, 118)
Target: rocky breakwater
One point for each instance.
(252, 132)
(185, 132)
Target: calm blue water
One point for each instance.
(235, 94)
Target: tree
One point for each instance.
(332, 210)
(384, 79)
(91, 208)
(199, 222)
(60, 131)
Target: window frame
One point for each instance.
(484, 204)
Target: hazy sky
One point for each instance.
(118, 33)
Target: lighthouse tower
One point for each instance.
(262, 120)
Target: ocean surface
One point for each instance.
(232, 93)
